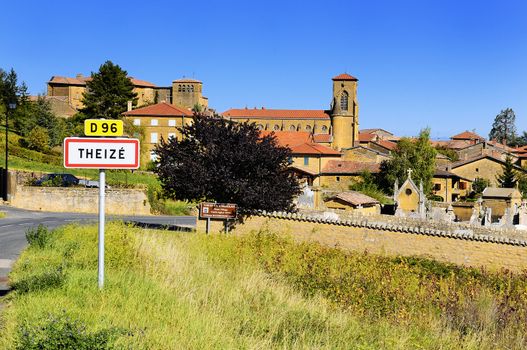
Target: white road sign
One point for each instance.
(101, 153)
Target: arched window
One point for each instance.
(308, 127)
(259, 127)
(276, 127)
(324, 129)
(344, 101)
(292, 128)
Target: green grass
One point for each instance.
(2, 214)
(260, 291)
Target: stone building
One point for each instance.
(353, 201)
(183, 93)
(499, 200)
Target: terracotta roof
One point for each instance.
(386, 144)
(82, 81)
(365, 137)
(300, 142)
(500, 145)
(314, 149)
(467, 135)
(500, 192)
(520, 149)
(355, 198)
(139, 82)
(186, 80)
(345, 76)
(322, 138)
(162, 109)
(349, 167)
(276, 113)
(289, 138)
(303, 170)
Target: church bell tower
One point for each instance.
(345, 112)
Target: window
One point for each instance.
(437, 187)
(179, 88)
(408, 192)
(292, 128)
(344, 101)
(171, 122)
(276, 127)
(154, 122)
(462, 185)
(259, 127)
(171, 134)
(477, 170)
(324, 129)
(308, 127)
(153, 137)
(306, 160)
(290, 160)
(153, 156)
(137, 121)
(337, 179)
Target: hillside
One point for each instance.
(192, 291)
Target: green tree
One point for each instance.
(11, 92)
(108, 92)
(223, 161)
(478, 186)
(508, 178)
(418, 155)
(39, 113)
(38, 139)
(504, 127)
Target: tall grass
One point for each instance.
(260, 291)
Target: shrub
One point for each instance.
(43, 281)
(39, 237)
(62, 332)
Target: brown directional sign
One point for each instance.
(217, 211)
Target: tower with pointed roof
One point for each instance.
(345, 112)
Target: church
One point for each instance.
(337, 127)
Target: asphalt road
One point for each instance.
(17, 221)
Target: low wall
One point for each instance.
(456, 246)
(80, 200)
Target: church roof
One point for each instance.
(264, 113)
(162, 109)
(345, 76)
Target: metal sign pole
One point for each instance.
(207, 229)
(102, 189)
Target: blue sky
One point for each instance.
(448, 65)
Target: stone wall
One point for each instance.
(80, 200)
(464, 247)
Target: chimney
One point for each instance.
(79, 76)
(129, 107)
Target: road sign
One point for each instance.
(101, 153)
(103, 127)
(217, 211)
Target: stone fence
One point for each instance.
(455, 245)
(80, 200)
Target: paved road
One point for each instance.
(18, 221)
